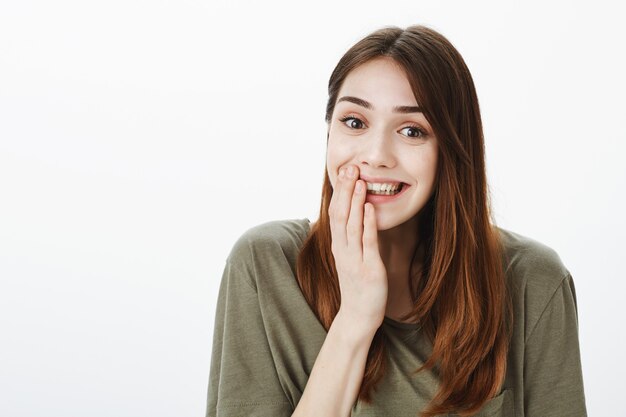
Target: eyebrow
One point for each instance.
(369, 106)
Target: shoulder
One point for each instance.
(534, 271)
(525, 255)
(286, 232)
(270, 247)
(269, 236)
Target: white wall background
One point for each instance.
(140, 139)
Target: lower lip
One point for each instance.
(376, 199)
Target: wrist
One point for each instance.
(354, 330)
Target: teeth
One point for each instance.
(383, 192)
(383, 189)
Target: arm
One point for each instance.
(337, 374)
(243, 379)
(553, 381)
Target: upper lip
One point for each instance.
(380, 179)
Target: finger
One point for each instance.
(345, 200)
(355, 221)
(370, 234)
(338, 215)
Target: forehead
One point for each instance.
(380, 81)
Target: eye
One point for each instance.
(346, 118)
(419, 132)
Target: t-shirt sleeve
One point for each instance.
(243, 380)
(553, 382)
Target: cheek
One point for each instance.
(330, 168)
(431, 161)
(429, 170)
(333, 168)
(339, 152)
(427, 158)
(334, 158)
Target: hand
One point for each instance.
(361, 271)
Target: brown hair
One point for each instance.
(460, 297)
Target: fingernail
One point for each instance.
(359, 186)
(351, 170)
(342, 173)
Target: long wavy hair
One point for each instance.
(460, 296)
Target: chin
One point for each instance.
(389, 222)
(386, 224)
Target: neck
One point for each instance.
(396, 247)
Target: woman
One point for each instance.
(404, 298)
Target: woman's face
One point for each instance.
(382, 142)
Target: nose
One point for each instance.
(377, 151)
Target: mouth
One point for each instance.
(387, 197)
(386, 191)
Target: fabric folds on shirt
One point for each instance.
(266, 337)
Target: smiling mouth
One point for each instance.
(395, 191)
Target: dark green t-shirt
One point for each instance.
(266, 337)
